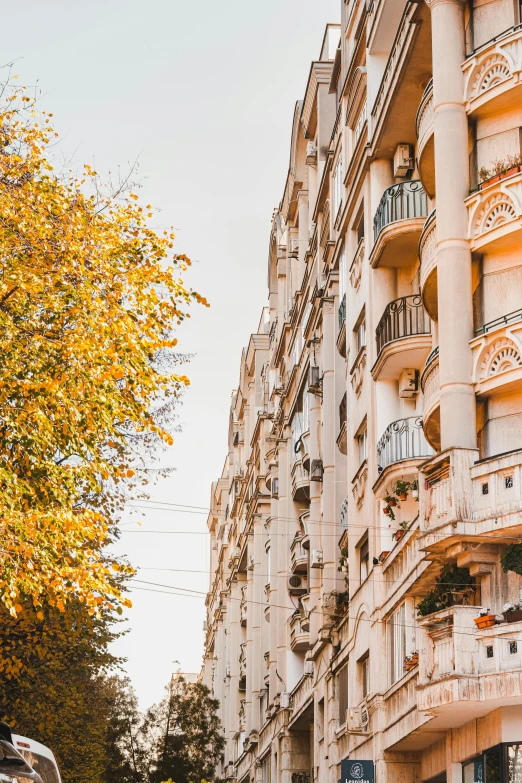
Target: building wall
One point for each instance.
(390, 351)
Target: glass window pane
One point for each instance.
(514, 763)
(493, 764)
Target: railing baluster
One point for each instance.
(400, 202)
(403, 317)
(403, 439)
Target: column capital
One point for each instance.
(432, 3)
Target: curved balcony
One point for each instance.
(492, 75)
(430, 385)
(298, 556)
(299, 633)
(426, 140)
(403, 337)
(300, 479)
(497, 356)
(428, 270)
(494, 216)
(403, 440)
(342, 437)
(398, 224)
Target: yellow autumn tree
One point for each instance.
(90, 296)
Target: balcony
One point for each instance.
(243, 606)
(342, 442)
(497, 359)
(430, 385)
(428, 271)
(426, 140)
(465, 673)
(494, 214)
(403, 337)
(298, 555)
(341, 336)
(299, 633)
(492, 75)
(300, 482)
(398, 224)
(402, 441)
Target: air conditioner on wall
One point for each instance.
(403, 160)
(316, 558)
(408, 383)
(297, 585)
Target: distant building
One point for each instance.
(375, 434)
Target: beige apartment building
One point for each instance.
(366, 530)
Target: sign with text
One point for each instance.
(355, 771)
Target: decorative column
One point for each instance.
(457, 407)
(331, 422)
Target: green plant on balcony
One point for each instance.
(511, 559)
(402, 489)
(452, 579)
(343, 560)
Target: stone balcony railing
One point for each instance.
(492, 71)
(461, 668)
(472, 496)
(425, 112)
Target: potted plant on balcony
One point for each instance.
(415, 490)
(512, 166)
(451, 580)
(388, 511)
(343, 560)
(401, 489)
(485, 619)
(403, 528)
(390, 500)
(411, 661)
(383, 556)
(512, 612)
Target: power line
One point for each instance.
(198, 594)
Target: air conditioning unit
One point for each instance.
(316, 471)
(309, 668)
(235, 553)
(316, 558)
(285, 701)
(358, 719)
(227, 670)
(403, 160)
(297, 585)
(311, 153)
(315, 381)
(408, 383)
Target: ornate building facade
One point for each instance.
(366, 529)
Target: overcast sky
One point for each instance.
(203, 94)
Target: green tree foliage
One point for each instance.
(183, 735)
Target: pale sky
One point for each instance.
(203, 93)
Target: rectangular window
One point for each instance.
(342, 275)
(360, 336)
(265, 769)
(342, 685)
(362, 446)
(364, 559)
(337, 196)
(364, 672)
(397, 643)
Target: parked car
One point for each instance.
(14, 768)
(39, 757)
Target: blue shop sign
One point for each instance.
(355, 771)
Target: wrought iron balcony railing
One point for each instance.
(400, 202)
(403, 439)
(342, 312)
(403, 317)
